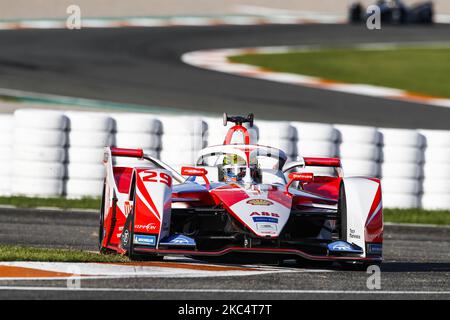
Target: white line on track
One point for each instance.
(156, 290)
(65, 270)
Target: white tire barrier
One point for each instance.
(400, 154)
(359, 151)
(182, 143)
(6, 139)
(138, 140)
(436, 138)
(172, 157)
(5, 185)
(44, 138)
(79, 188)
(401, 201)
(311, 148)
(402, 137)
(92, 139)
(39, 153)
(437, 154)
(41, 170)
(137, 123)
(357, 134)
(436, 186)
(183, 125)
(38, 167)
(315, 131)
(40, 119)
(37, 187)
(5, 168)
(89, 134)
(5, 171)
(5, 154)
(6, 123)
(85, 155)
(400, 185)
(89, 121)
(360, 168)
(276, 130)
(402, 170)
(437, 170)
(436, 201)
(50, 145)
(85, 171)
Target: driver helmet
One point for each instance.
(234, 168)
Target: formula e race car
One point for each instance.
(240, 201)
(395, 12)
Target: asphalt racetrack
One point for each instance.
(142, 66)
(417, 265)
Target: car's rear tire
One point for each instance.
(342, 213)
(101, 230)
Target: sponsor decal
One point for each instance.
(268, 228)
(145, 240)
(353, 235)
(125, 237)
(178, 239)
(374, 248)
(343, 246)
(265, 219)
(260, 202)
(128, 206)
(340, 246)
(265, 214)
(145, 227)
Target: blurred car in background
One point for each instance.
(395, 12)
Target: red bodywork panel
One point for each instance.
(374, 223)
(327, 187)
(122, 177)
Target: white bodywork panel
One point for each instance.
(263, 220)
(360, 194)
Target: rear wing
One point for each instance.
(325, 162)
(139, 154)
(322, 162)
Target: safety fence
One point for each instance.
(50, 153)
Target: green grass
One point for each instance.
(420, 70)
(25, 202)
(417, 216)
(20, 253)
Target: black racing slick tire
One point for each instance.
(342, 214)
(101, 229)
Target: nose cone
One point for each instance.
(263, 212)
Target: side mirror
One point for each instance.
(302, 177)
(197, 172)
(292, 165)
